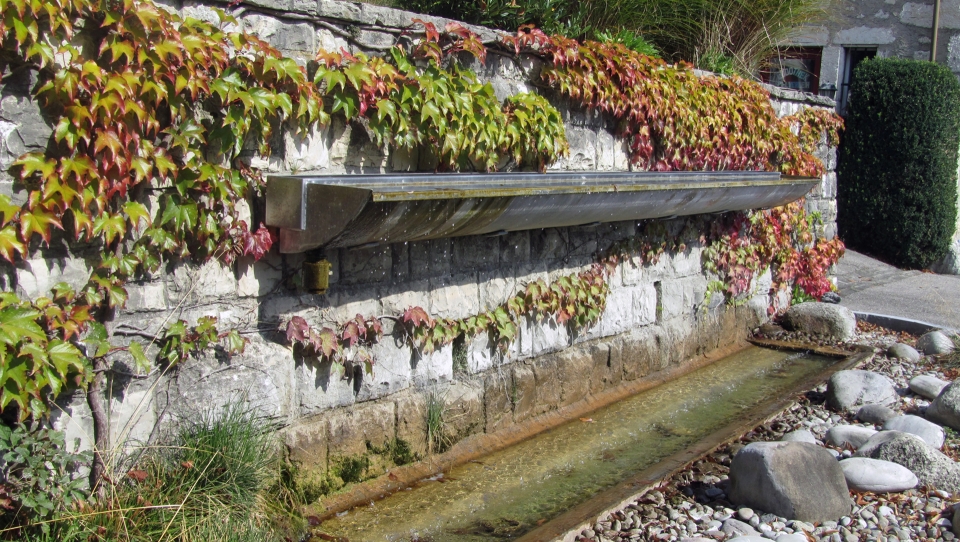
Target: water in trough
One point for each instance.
(510, 492)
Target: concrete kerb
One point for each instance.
(907, 325)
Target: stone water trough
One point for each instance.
(343, 211)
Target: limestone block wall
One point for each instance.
(657, 315)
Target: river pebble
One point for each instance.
(692, 505)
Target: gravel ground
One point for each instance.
(693, 503)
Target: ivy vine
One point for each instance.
(673, 118)
(156, 117)
(428, 100)
(736, 249)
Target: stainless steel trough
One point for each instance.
(338, 211)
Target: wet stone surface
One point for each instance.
(694, 503)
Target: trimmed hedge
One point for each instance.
(897, 169)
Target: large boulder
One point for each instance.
(935, 343)
(800, 435)
(876, 475)
(926, 386)
(930, 432)
(795, 480)
(945, 409)
(823, 319)
(848, 435)
(849, 390)
(930, 465)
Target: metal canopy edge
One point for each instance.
(338, 211)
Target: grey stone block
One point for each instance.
(366, 265)
(37, 277)
(350, 431)
(322, 385)
(476, 253)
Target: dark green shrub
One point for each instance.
(897, 188)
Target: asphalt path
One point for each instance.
(869, 285)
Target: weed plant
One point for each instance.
(220, 478)
(438, 434)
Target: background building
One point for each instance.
(821, 58)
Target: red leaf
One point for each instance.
(374, 329)
(324, 343)
(351, 331)
(417, 317)
(257, 244)
(429, 29)
(137, 475)
(297, 330)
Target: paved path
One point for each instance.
(868, 285)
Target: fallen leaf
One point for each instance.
(137, 475)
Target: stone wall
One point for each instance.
(896, 28)
(657, 315)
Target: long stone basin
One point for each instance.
(553, 484)
(343, 211)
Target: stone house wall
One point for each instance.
(895, 27)
(657, 315)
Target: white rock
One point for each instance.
(931, 466)
(865, 474)
(927, 386)
(930, 432)
(853, 435)
(935, 343)
(875, 414)
(904, 352)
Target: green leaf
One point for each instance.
(235, 343)
(110, 227)
(20, 323)
(65, 357)
(10, 243)
(182, 216)
(137, 213)
(141, 361)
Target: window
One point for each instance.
(795, 68)
(851, 58)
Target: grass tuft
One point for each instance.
(218, 478)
